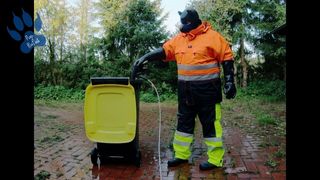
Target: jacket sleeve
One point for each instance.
(169, 49)
(226, 52)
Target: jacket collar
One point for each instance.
(199, 30)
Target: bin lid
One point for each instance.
(110, 113)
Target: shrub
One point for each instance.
(57, 93)
(272, 90)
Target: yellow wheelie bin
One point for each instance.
(111, 116)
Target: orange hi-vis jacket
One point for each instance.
(198, 53)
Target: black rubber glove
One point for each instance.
(155, 55)
(139, 63)
(229, 87)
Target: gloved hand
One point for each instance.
(138, 64)
(157, 54)
(229, 88)
(137, 67)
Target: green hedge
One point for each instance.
(273, 90)
(57, 93)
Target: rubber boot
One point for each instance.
(207, 166)
(176, 162)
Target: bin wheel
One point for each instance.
(94, 156)
(137, 159)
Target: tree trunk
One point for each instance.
(61, 47)
(52, 61)
(51, 51)
(84, 52)
(235, 74)
(244, 64)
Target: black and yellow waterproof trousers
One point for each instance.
(200, 99)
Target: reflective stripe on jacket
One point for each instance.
(198, 53)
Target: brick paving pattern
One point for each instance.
(68, 156)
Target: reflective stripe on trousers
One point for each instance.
(182, 144)
(215, 149)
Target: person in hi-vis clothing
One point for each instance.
(199, 52)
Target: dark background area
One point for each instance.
(16, 96)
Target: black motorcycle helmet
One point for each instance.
(189, 19)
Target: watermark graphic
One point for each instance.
(30, 39)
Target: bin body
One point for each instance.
(111, 115)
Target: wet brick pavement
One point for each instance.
(69, 158)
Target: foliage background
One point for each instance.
(77, 49)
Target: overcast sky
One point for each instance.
(173, 6)
(170, 6)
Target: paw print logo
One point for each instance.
(30, 39)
